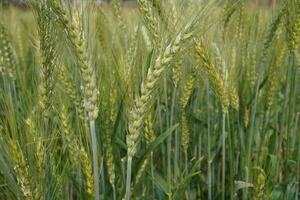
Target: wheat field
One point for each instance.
(150, 100)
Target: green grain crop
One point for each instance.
(150, 99)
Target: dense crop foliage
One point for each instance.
(159, 100)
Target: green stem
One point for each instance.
(95, 159)
(208, 147)
(223, 153)
(297, 118)
(186, 168)
(128, 177)
(114, 192)
(176, 150)
(152, 173)
(47, 161)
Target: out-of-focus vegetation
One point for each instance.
(160, 100)
(22, 2)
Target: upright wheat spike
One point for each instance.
(1, 63)
(176, 71)
(7, 54)
(46, 87)
(294, 41)
(298, 63)
(213, 75)
(240, 25)
(118, 14)
(228, 11)
(151, 20)
(187, 91)
(48, 55)
(148, 87)
(90, 91)
(87, 170)
(71, 92)
(69, 139)
(271, 33)
(149, 132)
(233, 93)
(107, 140)
(146, 38)
(219, 86)
(185, 135)
(260, 187)
(157, 5)
(149, 137)
(77, 154)
(39, 147)
(234, 98)
(22, 171)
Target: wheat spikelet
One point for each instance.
(74, 33)
(246, 117)
(271, 33)
(38, 141)
(39, 153)
(22, 173)
(146, 37)
(149, 137)
(89, 86)
(234, 98)
(240, 20)
(141, 171)
(71, 92)
(143, 103)
(7, 54)
(110, 163)
(298, 63)
(114, 99)
(188, 88)
(153, 76)
(1, 129)
(87, 170)
(151, 21)
(213, 75)
(70, 141)
(48, 55)
(107, 141)
(228, 11)
(158, 6)
(176, 71)
(118, 14)
(260, 187)
(219, 63)
(132, 52)
(294, 40)
(185, 135)
(77, 154)
(101, 27)
(1, 63)
(233, 93)
(251, 69)
(148, 130)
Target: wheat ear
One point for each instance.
(143, 102)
